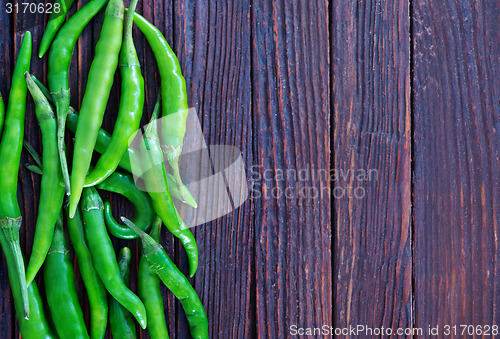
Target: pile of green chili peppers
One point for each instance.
(71, 211)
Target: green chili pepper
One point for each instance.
(103, 139)
(175, 282)
(37, 326)
(59, 61)
(131, 155)
(103, 255)
(149, 291)
(130, 110)
(43, 88)
(96, 291)
(60, 288)
(52, 186)
(56, 20)
(2, 113)
(10, 155)
(102, 142)
(156, 184)
(121, 321)
(174, 96)
(124, 184)
(96, 96)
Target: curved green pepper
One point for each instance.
(175, 282)
(103, 255)
(124, 184)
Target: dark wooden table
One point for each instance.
(415, 95)
(392, 107)
(252, 79)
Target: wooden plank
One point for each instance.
(213, 42)
(372, 159)
(290, 126)
(457, 162)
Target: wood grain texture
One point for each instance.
(212, 39)
(457, 162)
(290, 75)
(257, 73)
(372, 121)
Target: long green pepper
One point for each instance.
(37, 327)
(174, 100)
(96, 96)
(56, 20)
(124, 184)
(58, 72)
(149, 291)
(103, 255)
(52, 185)
(175, 282)
(121, 321)
(10, 155)
(97, 294)
(130, 110)
(155, 181)
(60, 288)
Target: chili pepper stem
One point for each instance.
(61, 98)
(10, 228)
(33, 168)
(148, 243)
(45, 91)
(184, 193)
(34, 154)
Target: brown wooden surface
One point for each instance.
(421, 248)
(258, 74)
(372, 120)
(457, 162)
(407, 88)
